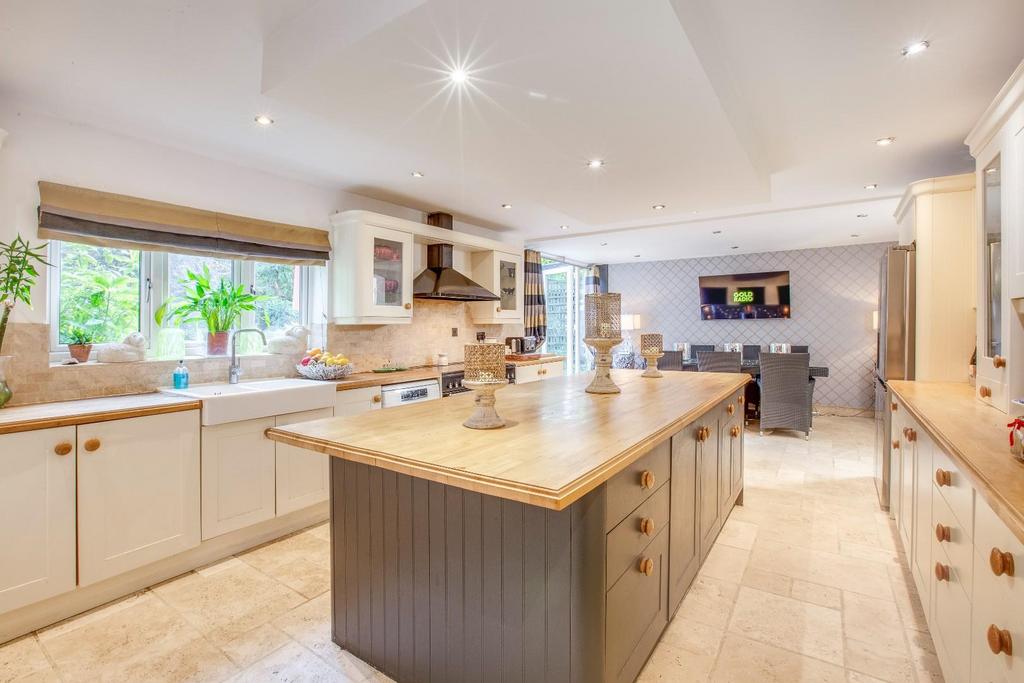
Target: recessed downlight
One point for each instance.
(595, 163)
(734, 247)
(564, 227)
(862, 215)
(604, 244)
(885, 142)
(871, 186)
(636, 255)
(915, 48)
(716, 232)
(458, 75)
(853, 234)
(506, 206)
(264, 120)
(416, 174)
(658, 207)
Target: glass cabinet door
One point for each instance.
(992, 258)
(388, 261)
(508, 277)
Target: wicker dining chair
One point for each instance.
(797, 348)
(697, 348)
(751, 352)
(671, 360)
(787, 392)
(718, 361)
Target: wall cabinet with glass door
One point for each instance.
(371, 274)
(997, 144)
(501, 273)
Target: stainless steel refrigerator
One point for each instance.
(895, 351)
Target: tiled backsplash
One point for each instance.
(34, 380)
(834, 291)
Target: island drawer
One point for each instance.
(637, 612)
(627, 540)
(638, 482)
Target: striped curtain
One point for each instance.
(534, 310)
(592, 281)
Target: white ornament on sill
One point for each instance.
(131, 350)
(294, 341)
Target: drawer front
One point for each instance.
(637, 612)
(637, 483)
(528, 373)
(955, 488)
(957, 549)
(635, 532)
(356, 401)
(549, 370)
(997, 598)
(951, 611)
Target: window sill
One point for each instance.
(57, 360)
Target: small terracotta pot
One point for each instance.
(80, 352)
(217, 343)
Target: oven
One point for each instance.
(451, 381)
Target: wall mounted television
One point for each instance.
(745, 296)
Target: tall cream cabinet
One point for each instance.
(37, 506)
(997, 144)
(937, 215)
(138, 492)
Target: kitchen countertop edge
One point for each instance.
(36, 416)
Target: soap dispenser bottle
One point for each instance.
(181, 376)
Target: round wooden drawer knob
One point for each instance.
(941, 533)
(62, 448)
(894, 406)
(998, 362)
(895, 444)
(408, 307)
(92, 445)
(647, 526)
(943, 477)
(646, 566)
(377, 398)
(1001, 563)
(941, 571)
(906, 430)
(739, 399)
(498, 309)
(734, 432)
(999, 640)
(911, 435)
(730, 409)
(647, 479)
(984, 392)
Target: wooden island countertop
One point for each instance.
(975, 435)
(560, 442)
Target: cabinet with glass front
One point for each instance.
(501, 273)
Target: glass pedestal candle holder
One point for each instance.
(651, 348)
(603, 331)
(484, 375)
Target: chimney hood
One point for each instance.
(441, 281)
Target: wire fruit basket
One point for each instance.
(325, 373)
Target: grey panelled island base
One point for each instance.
(555, 549)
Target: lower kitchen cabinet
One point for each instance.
(138, 492)
(356, 401)
(303, 477)
(709, 489)
(239, 470)
(684, 541)
(534, 373)
(37, 506)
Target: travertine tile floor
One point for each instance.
(805, 583)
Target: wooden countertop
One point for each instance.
(976, 436)
(362, 380)
(559, 444)
(85, 411)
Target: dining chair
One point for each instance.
(796, 348)
(671, 360)
(718, 361)
(751, 352)
(697, 348)
(787, 392)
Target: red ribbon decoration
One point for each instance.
(1017, 423)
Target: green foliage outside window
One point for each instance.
(99, 293)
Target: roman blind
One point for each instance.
(75, 214)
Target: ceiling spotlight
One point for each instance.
(716, 232)
(416, 174)
(458, 75)
(564, 227)
(884, 142)
(853, 234)
(871, 186)
(734, 247)
(636, 255)
(862, 215)
(604, 244)
(658, 207)
(595, 163)
(915, 48)
(264, 120)
(506, 206)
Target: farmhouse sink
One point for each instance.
(224, 403)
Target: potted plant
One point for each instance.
(80, 340)
(219, 306)
(18, 273)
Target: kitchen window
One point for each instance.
(114, 292)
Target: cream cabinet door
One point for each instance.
(37, 506)
(357, 401)
(302, 475)
(384, 265)
(238, 476)
(138, 492)
(924, 533)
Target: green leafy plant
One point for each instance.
(99, 289)
(18, 273)
(219, 306)
(79, 335)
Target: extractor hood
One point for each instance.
(441, 281)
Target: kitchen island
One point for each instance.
(554, 549)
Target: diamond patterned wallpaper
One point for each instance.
(833, 292)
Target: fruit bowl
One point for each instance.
(324, 372)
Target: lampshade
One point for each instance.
(485, 362)
(651, 343)
(603, 313)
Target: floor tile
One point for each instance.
(254, 645)
(292, 664)
(709, 601)
(870, 619)
(669, 664)
(24, 659)
(826, 596)
(791, 624)
(737, 533)
(744, 660)
(725, 563)
(301, 561)
(310, 625)
(693, 636)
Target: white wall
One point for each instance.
(40, 147)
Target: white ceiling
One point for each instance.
(759, 116)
